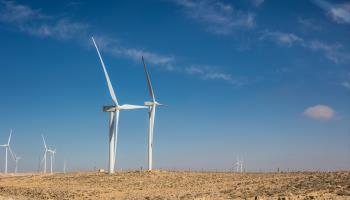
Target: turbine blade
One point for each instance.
(8, 141)
(110, 87)
(12, 155)
(42, 160)
(44, 142)
(148, 81)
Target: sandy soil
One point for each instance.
(176, 185)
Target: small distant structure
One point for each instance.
(64, 166)
(51, 153)
(101, 170)
(17, 158)
(239, 165)
(7, 148)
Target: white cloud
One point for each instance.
(258, 3)
(114, 47)
(211, 73)
(61, 29)
(332, 52)
(319, 112)
(165, 62)
(34, 22)
(192, 70)
(218, 17)
(346, 84)
(309, 24)
(281, 38)
(16, 13)
(340, 13)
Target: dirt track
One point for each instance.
(176, 185)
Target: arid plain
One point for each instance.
(177, 185)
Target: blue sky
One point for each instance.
(265, 80)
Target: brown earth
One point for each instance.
(177, 185)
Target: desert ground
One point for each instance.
(176, 185)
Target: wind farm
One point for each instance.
(175, 99)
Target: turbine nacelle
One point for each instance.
(151, 103)
(51, 151)
(122, 107)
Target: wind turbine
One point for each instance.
(64, 166)
(239, 165)
(151, 114)
(7, 148)
(114, 115)
(45, 153)
(51, 152)
(17, 158)
(52, 157)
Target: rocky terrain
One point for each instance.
(176, 185)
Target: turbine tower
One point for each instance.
(7, 148)
(151, 114)
(113, 115)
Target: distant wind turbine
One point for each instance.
(52, 157)
(64, 166)
(151, 113)
(239, 165)
(17, 158)
(51, 153)
(114, 115)
(7, 148)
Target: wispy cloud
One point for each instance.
(210, 73)
(346, 81)
(319, 112)
(115, 48)
(17, 13)
(34, 22)
(165, 62)
(340, 13)
(281, 38)
(309, 24)
(333, 52)
(346, 84)
(258, 3)
(218, 17)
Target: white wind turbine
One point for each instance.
(151, 113)
(51, 152)
(17, 158)
(239, 165)
(64, 166)
(52, 157)
(7, 148)
(113, 116)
